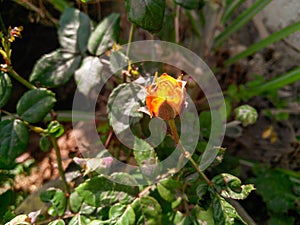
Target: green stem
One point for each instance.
(16, 76)
(130, 38)
(59, 164)
(186, 153)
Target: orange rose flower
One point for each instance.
(166, 97)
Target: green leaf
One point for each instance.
(124, 102)
(189, 4)
(13, 142)
(276, 189)
(127, 218)
(168, 189)
(150, 210)
(60, 5)
(57, 222)
(279, 219)
(143, 152)
(103, 37)
(35, 104)
(57, 199)
(74, 31)
(230, 186)
(20, 219)
(44, 143)
(55, 69)
(205, 216)
(277, 36)
(75, 201)
(240, 21)
(5, 88)
(224, 213)
(79, 220)
(148, 14)
(117, 61)
(99, 191)
(55, 129)
(122, 215)
(88, 75)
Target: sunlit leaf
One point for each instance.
(88, 75)
(57, 222)
(103, 37)
(123, 103)
(55, 69)
(74, 31)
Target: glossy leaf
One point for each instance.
(151, 210)
(74, 31)
(103, 37)
(99, 191)
(124, 102)
(44, 143)
(167, 189)
(88, 75)
(75, 202)
(35, 104)
(230, 186)
(122, 214)
(79, 220)
(189, 4)
(55, 69)
(13, 142)
(224, 213)
(55, 129)
(5, 88)
(57, 222)
(57, 199)
(148, 14)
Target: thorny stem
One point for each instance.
(186, 153)
(59, 164)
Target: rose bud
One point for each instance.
(165, 98)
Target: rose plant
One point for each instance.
(189, 196)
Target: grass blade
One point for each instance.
(240, 21)
(276, 83)
(277, 36)
(229, 10)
